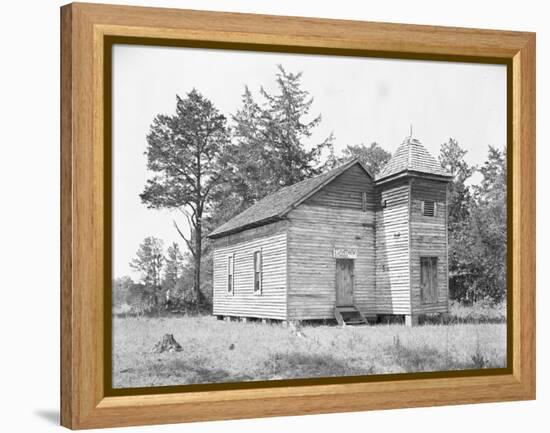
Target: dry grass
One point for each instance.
(216, 351)
(481, 312)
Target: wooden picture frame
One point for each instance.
(87, 32)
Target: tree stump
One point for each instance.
(167, 344)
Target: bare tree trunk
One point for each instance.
(198, 258)
(198, 235)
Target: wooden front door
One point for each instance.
(428, 280)
(344, 282)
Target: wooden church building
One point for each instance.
(340, 245)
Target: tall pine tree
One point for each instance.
(271, 145)
(286, 128)
(185, 151)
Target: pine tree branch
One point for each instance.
(213, 182)
(190, 218)
(187, 241)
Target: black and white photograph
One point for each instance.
(290, 216)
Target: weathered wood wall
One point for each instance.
(331, 218)
(299, 269)
(392, 249)
(346, 191)
(243, 302)
(429, 239)
(250, 234)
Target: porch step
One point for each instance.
(349, 315)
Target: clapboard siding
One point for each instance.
(271, 303)
(250, 234)
(313, 233)
(384, 222)
(333, 217)
(346, 191)
(392, 250)
(429, 239)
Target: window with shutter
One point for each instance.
(230, 273)
(258, 272)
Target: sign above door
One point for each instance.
(345, 253)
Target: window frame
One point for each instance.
(230, 274)
(257, 260)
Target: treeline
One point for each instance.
(210, 168)
(165, 282)
(477, 225)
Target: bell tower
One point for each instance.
(411, 234)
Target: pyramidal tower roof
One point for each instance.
(411, 156)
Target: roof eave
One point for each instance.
(271, 219)
(413, 173)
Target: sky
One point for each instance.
(361, 100)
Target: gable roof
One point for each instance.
(412, 156)
(276, 205)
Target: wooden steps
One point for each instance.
(349, 315)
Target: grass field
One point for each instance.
(216, 351)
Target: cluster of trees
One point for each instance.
(209, 168)
(164, 280)
(477, 225)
